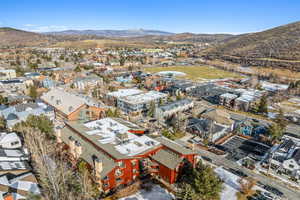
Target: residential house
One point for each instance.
(286, 158)
(20, 112)
(168, 110)
(70, 107)
(18, 187)
(6, 74)
(82, 83)
(251, 127)
(207, 129)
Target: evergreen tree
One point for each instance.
(151, 110)
(203, 181)
(77, 69)
(263, 105)
(3, 123)
(33, 92)
(3, 100)
(275, 131)
(206, 183)
(280, 120)
(186, 192)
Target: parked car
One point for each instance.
(238, 172)
(206, 158)
(273, 190)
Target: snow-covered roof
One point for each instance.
(62, 100)
(144, 97)
(124, 92)
(116, 133)
(273, 86)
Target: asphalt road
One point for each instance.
(222, 161)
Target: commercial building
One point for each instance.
(111, 97)
(138, 103)
(119, 152)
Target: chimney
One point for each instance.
(98, 166)
(78, 149)
(58, 136)
(72, 145)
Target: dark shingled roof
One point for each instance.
(296, 155)
(287, 144)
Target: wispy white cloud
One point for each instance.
(37, 28)
(29, 25)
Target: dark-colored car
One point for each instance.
(238, 172)
(206, 158)
(273, 190)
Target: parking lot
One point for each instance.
(238, 148)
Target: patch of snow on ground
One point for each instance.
(156, 193)
(173, 73)
(231, 184)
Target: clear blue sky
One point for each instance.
(198, 16)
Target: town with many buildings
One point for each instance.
(155, 120)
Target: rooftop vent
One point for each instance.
(58, 102)
(77, 144)
(71, 138)
(149, 143)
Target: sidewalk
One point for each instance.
(273, 174)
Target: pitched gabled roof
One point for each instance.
(63, 101)
(88, 151)
(296, 155)
(167, 158)
(220, 116)
(174, 146)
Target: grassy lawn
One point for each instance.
(196, 72)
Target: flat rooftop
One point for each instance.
(124, 92)
(144, 97)
(113, 136)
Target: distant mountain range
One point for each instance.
(112, 33)
(15, 37)
(279, 46)
(276, 47)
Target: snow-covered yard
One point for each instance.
(231, 184)
(156, 193)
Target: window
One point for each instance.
(118, 172)
(121, 164)
(106, 185)
(105, 178)
(134, 170)
(291, 166)
(14, 143)
(119, 180)
(133, 162)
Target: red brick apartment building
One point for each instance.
(118, 156)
